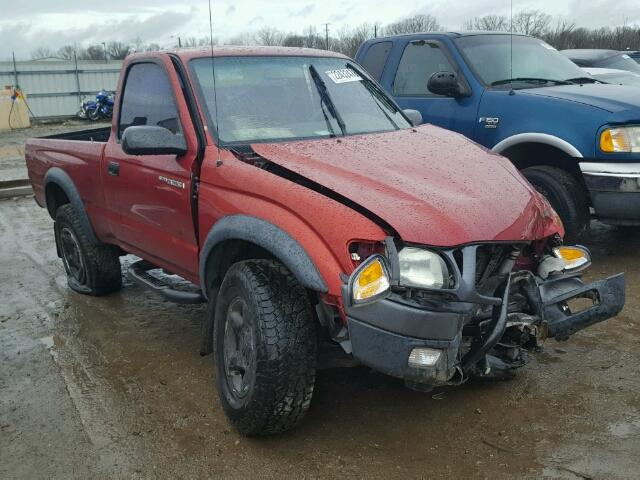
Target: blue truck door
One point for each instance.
(419, 59)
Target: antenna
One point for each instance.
(213, 77)
(511, 50)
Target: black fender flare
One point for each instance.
(268, 236)
(62, 179)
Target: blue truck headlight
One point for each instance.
(422, 268)
(620, 140)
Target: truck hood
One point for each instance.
(432, 186)
(612, 98)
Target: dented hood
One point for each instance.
(432, 186)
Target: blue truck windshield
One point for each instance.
(491, 57)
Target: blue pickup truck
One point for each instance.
(577, 140)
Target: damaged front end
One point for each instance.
(493, 302)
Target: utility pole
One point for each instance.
(104, 49)
(375, 31)
(15, 70)
(326, 34)
(179, 42)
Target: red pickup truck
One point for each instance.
(306, 207)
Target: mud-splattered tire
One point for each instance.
(265, 348)
(91, 269)
(565, 194)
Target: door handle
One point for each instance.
(113, 168)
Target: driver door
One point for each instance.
(150, 195)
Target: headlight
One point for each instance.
(422, 269)
(575, 257)
(565, 259)
(620, 139)
(370, 281)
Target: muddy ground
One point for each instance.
(114, 387)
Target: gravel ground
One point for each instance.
(114, 387)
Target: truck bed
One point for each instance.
(89, 135)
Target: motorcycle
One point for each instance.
(98, 109)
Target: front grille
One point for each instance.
(489, 258)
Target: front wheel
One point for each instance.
(265, 348)
(565, 194)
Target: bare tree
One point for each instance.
(312, 39)
(240, 39)
(41, 52)
(66, 52)
(531, 22)
(93, 52)
(349, 40)
(293, 40)
(415, 24)
(492, 23)
(118, 50)
(269, 36)
(562, 35)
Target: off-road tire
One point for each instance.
(565, 194)
(101, 263)
(279, 313)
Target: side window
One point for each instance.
(419, 61)
(376, 58)
(148, 99)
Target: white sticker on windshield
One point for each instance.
(547, 46)
(625, 56)
(343, 75)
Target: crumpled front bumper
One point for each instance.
(384, 333)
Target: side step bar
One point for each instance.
(138, 272)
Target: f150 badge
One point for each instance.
(489, 122)
(171, 181)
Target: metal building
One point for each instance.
(55, 88)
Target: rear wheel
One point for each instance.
(565, 194)
(91, 269)
(265, 348)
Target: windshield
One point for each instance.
(490, 56)
(265, 99)
(620, 62)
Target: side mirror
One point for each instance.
(414, 115)
(152, 140)
(444, 83)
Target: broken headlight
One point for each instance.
(420, 268)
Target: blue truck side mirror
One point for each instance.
(444, 83)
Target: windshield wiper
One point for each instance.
(378, 95)
(530, 80)
(584, 80)
(326, 99)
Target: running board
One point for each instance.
(138, 272)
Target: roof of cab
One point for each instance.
(469, 33)
(187, 54)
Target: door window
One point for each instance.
(376, 57)
(148, 99)
(419, 61)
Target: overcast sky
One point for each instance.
(28, 24)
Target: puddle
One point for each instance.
(625, 429)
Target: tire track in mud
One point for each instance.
(55, 307)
